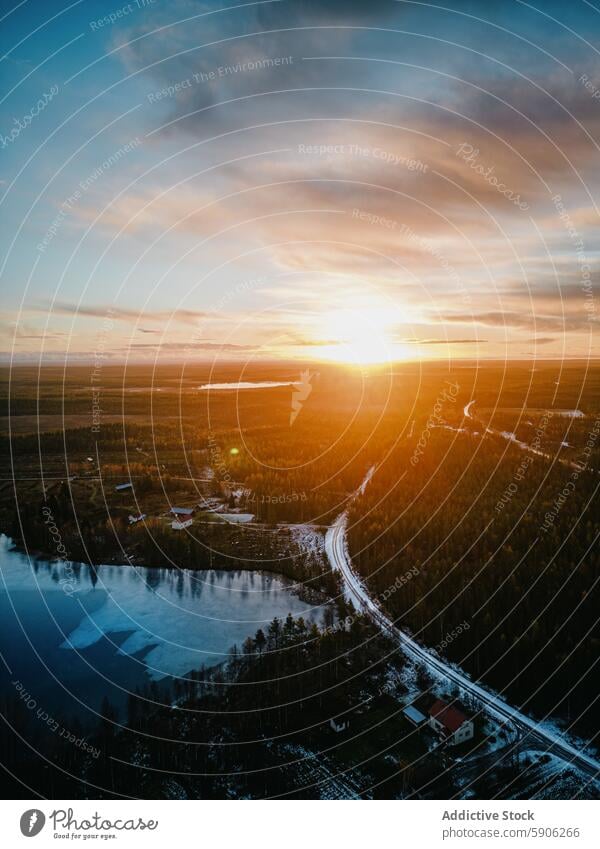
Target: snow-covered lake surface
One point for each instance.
(72, 633)
(265, 384)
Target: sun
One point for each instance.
(359, 336)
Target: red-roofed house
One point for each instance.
(450, 723)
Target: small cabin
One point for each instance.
(450, 723)
(338, 725)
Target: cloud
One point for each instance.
(540, 340)
(193, 346)
(442, 341)
(388, 99)
(325, 11)
(114, 313)
(295, 340)
(21, 330)
(501, 318)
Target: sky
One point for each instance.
(347, 181)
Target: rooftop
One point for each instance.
(414, 715)
(450, 717)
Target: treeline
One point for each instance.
(226, 546)
(109, 437)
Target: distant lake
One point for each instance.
(266, 384)
(124, 626)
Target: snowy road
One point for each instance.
(545, 738)
(511, 437)
(467, 409)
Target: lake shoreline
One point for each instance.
(309, 595)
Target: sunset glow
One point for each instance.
(301, 425)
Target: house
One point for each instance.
(134, 519)
(338, 726)
(121, 487)
(450, 723)
(414, 716)
(185, 512)
(179, 526)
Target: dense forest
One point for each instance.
(458, 549)
(237, 731)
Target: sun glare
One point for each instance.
(359, 337)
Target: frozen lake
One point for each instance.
(266, 384)
(73, 634)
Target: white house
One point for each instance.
(338, 726)
(450, 723)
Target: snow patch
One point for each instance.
(570, 414)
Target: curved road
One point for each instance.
(545, 738)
